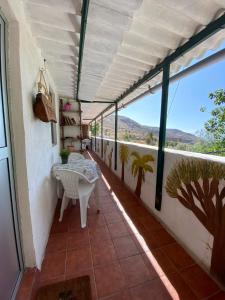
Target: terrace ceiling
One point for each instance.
(124, 40)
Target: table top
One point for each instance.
(86, 167)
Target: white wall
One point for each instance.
(178, 220)
(31, 138)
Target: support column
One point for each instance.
(101, 136)
(95, 135)
(162, 136)
(115, 136)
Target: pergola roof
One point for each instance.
(124, 40)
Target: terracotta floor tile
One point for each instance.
(78, 260)
(125, 295)
(102, 243)
(109, 279)
(96, 220)
(23, 293)
(108, 208)
(145, 240)
(218, 296)
(157, 263)
(57, 242)
(177, 287)
(201, 284)
(151, 290)
(59, 227)
(162, 237)
(103, 254)
(78, 239)
(118, 229)
(113, 217)
(99, 234)
(53, 265)
(135, 271)
(178, 256)
(28, 278)
(125, 247)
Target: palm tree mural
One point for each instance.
(110, 158)
(139, 167)
(196, 186)
(106, 143)
(124, 153)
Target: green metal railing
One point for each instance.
(164, 67)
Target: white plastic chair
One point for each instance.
(74, 157)
(75, 188)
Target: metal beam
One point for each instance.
(84, 14)
(95, 135)
(195, 40)
(101, 136)
(95, 101)
(162, 136)
(115, 136)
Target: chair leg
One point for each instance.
(74, 201)
(64, 204)
(83, 210)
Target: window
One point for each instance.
(196, 111)
(138, 122)
(109, 126)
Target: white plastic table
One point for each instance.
(87, 167)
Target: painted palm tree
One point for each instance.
(139, 167)
(105, 149)
(110, 158)
(196, 185)
(124, 154)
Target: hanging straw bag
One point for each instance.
(44, 108)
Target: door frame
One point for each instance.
(15, 209)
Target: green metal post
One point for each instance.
(101, 135)
(84, 15)
(95, 135)
(162, 136)
(115, 136)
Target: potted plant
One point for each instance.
(64, 153)
(67, 106)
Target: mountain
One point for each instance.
(127, 125)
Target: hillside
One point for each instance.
(127, 125)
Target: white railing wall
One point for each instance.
(177, 219)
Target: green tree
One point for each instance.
(95, 129)
(127, 136)
(215, 126)
(150, 139)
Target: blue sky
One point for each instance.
(186, 97)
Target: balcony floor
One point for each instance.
(124, 250)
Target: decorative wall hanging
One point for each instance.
(139, 167)
(196, 185)
(44, 105)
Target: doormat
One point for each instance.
(73, 289)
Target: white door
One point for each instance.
(10, 266)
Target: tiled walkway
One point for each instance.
(126, 252)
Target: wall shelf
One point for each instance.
(75, 129)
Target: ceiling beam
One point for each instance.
(84, 14)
